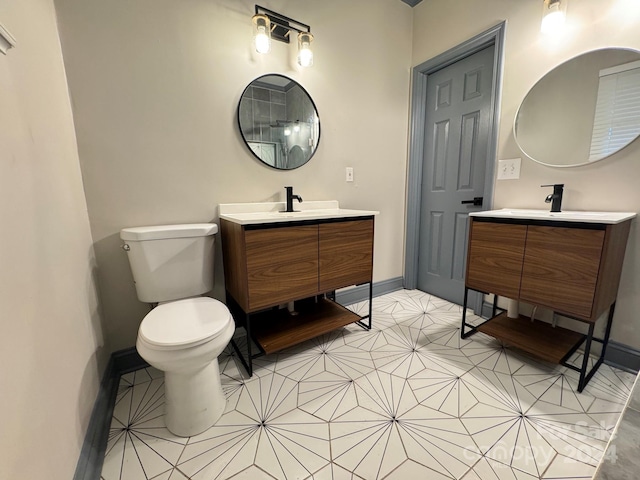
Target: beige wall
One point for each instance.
(51, 353)
(611, 184)
(155, 86)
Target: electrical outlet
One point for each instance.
(509, 169)
(349, 174)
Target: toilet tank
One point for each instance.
(170, 262)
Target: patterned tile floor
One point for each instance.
(408, 399)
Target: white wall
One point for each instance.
(611, 184)
(155, 85)
(51, 352)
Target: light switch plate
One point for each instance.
(349, 174)
(509, 169)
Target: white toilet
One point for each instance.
(185, 333)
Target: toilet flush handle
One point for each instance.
(126, 247)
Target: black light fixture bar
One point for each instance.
(281, 25)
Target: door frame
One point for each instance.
(494, 36)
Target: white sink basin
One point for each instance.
(271, 212)
(566, 216)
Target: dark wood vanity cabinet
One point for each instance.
(570, 268)
(268, 265)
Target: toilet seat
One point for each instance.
(184, 323)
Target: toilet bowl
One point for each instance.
(172, 266)
(184, 338)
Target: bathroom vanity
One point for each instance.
(273, 258)
(568, 262)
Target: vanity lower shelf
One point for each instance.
(539, 339)
(275, 330)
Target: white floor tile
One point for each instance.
(408, 399)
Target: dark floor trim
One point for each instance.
(622, 356)
(95, 441)
(94, 447)
(361, 293)
(618, 355)
(128, 360)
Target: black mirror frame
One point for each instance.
(246, 142)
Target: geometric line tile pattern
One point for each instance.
(408, 399)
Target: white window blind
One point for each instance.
(617, 116)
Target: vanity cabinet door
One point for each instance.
(282, 265)
(494, 260)
(346, 254)
(561, 268)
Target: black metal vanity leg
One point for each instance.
(369, 324)
(604, 342)
(247, 320)
(607, 332)
(370, 304)
(585, 361)
(495, 305)
(464, 313)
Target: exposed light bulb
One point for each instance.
(263, 44)
(305, 54)
(553, 16)
(287, 132)
(296, 127)
(262, 33)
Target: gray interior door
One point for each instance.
(455, 154)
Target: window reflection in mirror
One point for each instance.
(558, 123)
(279, 122)
(617, 118)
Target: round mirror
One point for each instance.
(279, 122)
(582, 111)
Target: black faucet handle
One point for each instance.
(289, 199)
(556, 197)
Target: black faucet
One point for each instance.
(555, 199)
(290, 197)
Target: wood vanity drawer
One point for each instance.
(282, 264)
(495, 257)
(561, 268)
(345, 254)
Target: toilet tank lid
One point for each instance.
(158, 232)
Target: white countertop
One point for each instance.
(272, 212)
(565, 216)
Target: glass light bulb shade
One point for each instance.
(296, 128)
(305, 54)
(553, 16)
(261, 33)
(287, 132)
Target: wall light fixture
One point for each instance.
(554, 13)
(269, 25)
